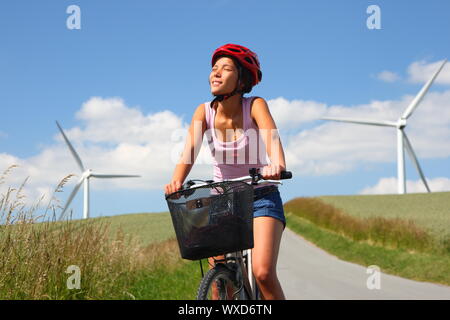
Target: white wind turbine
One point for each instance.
(402, 139)
(86, 175)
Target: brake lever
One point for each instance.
(256, 176)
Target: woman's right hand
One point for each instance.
(173, 186)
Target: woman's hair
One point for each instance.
(246, 79)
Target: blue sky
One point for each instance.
(155, 57)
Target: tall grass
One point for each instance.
(36, 251)
(393, 232)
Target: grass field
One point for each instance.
(429, 210)
(173, 278)
(147, 227)
(178, 281)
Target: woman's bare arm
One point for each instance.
(191, 149)
(269, 133)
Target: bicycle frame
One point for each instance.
(244, 270)
(249, 277)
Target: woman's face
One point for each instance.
(223, 77)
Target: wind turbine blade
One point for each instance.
(363, 121)
(413, 105)
(100, 175)
(72, 195)
(72, 150)
(414, 160)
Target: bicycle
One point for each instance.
(216, 218)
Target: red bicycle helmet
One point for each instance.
(247, 58)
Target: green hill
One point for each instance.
(430, 211)
(148, 227)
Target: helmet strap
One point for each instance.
(223, 97)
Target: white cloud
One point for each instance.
(389, 186)
(112, 121)
(7, 160)
(291, 114)
(419, 72)
(422, 71)
(388, 76)
(333, 147)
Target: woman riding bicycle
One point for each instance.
(241, 132)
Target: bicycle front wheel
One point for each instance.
(219, 283)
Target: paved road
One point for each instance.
(307, 272)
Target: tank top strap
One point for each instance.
(208, 114)
(247, 112)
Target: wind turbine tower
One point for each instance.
(84, 179)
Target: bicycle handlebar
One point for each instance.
(285, 175)
(254, 176)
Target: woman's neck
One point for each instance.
(230, 106)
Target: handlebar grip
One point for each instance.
(285, 175)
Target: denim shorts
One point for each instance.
(270, 206)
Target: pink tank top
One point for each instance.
(233, 159)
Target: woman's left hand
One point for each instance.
(272, 171)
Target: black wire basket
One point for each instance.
(213, 219)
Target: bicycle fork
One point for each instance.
(243, 272)
(251, 278)
(247, 276)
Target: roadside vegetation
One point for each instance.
(117, 258)
(398, 244)
(429, 211)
